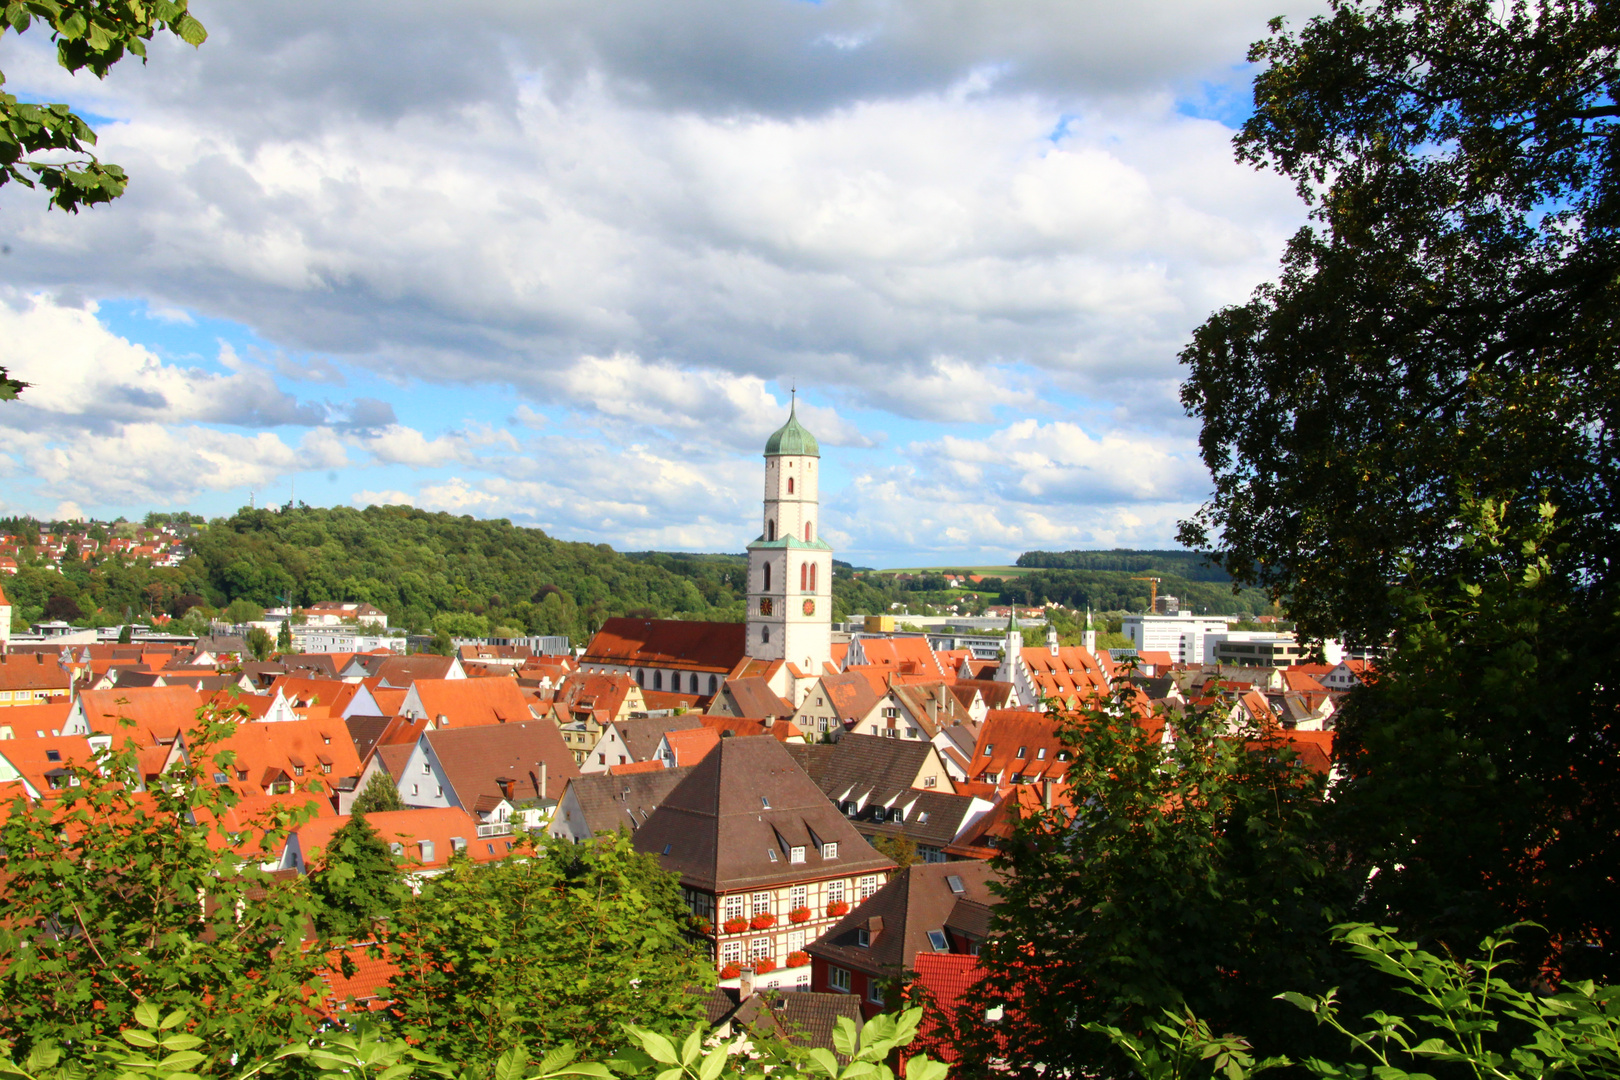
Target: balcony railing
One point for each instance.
(499, 828)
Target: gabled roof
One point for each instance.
(641, 737)
(995, 694)
(914, 901)
(402, 671)
(365, 732)
(736, 818)
(612, 801)
(159, 713)
(33, 671)
(312, 755)
(849, 695)
(44, 762)
(36, 720)
(306, 689)
(901, 656)
(739, 727)
(945, 979)
(754, 697)
(668, 643)
(691, 745)
(1070, 676)
(1016, 741)
(440, 826)
(472, 702)
(868, 768)
(476, 759)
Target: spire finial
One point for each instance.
(793, 397)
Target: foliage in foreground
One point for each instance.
(1471, 1020)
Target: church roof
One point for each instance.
(792, 438)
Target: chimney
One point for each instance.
(745, 982)
(1046, 794)
(542, 780)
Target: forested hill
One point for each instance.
(1187, 565)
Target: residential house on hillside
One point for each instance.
(667, 654)
(763, 858)
(505, 775)
(834, 702)
(924, 909)
(597, 804)
(625, 742)
(750, 697)
(916, 710)
(151, 716)
(32, 679)
(339, 612)
(43, 765)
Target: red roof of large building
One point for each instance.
(668, 643)
(1017, 743)
(158, 713)
(33, 672)
(472, 702)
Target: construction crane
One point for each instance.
(1153, 592)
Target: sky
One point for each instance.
(564, 261)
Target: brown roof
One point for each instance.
(475, 759)
(995, 694)
(1017, 742)
(364, 731)
(731, 824)
(641, 737)
(668, 643)
(402, 671)
(692, 745)
(611, 802)
(849, 695)
(803, 1018)
(394, 757)
(919, 899)
(753, 696)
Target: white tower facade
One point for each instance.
(790, 566)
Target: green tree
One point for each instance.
(259, 643)
(284, 639)
(243, 611)
(90, 35)
(117, 895)
(356, 882)
(1189, 875)
(563, 946)
(125, 635)
(1446, 327)
(380, 793)
(1426, 399)
(898, 847)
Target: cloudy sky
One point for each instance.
(561, 261)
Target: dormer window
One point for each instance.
(796, 854)
(863, 938)
(829, 850)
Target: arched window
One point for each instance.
(641, 678)
(658, 680)
(693, 686)
(714, 684)
(765, 634)
(770, 530)
(807, 532)
(790, 485)
(812, 577)
(804, 577)
(767, 577)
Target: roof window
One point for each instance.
(772, 853)
(936, 938)
(1021, 751)
(765, 801)
(53, 755)
(989, 748)
(955, 884)
(666, 849)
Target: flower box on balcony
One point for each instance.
(798, 959)
(762, 922)
(730, 971)
(735, 926)
(838, 907)
(799, 914)
(764, 964)
(703, 926)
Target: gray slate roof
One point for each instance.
(744, 802)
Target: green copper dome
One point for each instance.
(791, 438)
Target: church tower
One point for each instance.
(790, 566)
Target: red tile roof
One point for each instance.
(944, 978)
(668, 643)
(440, 826)
(650, 765)
(1017, 742)
(159, 713)
(36, 719)
(461, 703)
(33, 671)
(692, 745)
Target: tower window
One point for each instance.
(770, 530)
(765, 634)
(790, 485)
(807, 532)
(804, 577)
(768, 565)
(812, 577)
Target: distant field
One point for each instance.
(987, 571)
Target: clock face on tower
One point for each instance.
(765, 605)
(809, 607)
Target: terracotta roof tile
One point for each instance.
(668, 643)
